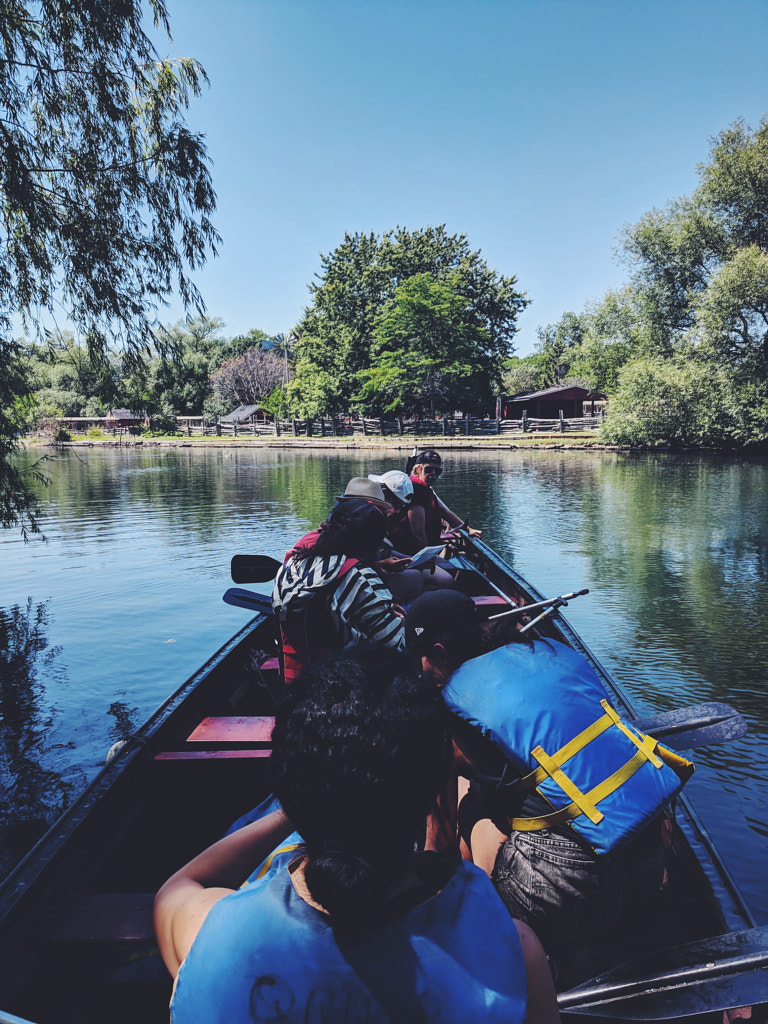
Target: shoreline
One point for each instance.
(532, 442)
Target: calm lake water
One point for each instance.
(123, 601)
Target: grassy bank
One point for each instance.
(586, 440)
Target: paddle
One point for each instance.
(247, 599)
(253, 568)
(699, 977)
(522, 609)
(695, 726)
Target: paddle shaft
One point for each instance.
(248, 599)
(714, 974)
(522, 609)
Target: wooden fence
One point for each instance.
(338, 426)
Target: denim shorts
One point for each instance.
(565, 891)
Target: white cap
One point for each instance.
(397, 482)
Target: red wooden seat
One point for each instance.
(215, 731)
(233, 730)
(209, 755)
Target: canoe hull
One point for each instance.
(75, 912)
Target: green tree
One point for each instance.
(525, 374)
(682, 402)
(557, 343)
(106, 194)
(733, 312)
(429, 353)
(178, 379)
(734, 184)
(18, 504)
(693, 323)
(68, 381)
(336, 337)
(253, 339)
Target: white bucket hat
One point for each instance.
(397, 482)
(365, 488)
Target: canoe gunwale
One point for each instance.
(31, 870)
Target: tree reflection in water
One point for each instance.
(32, 792)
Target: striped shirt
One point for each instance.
(360, 604)
(361, 609)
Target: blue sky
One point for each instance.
(536, 127)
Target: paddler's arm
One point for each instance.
(417, 521)
(542, 999)
(182, 904)
(453, 521)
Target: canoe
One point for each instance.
(76, 939)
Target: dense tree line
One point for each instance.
(682, 348)
(192, 370)
(405, 322)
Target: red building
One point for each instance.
(574, 401)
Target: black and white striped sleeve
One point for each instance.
(361, 607)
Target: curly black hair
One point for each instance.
(359, 755)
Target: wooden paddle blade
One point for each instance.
(253, 568)
(697, 726)
(248, 599)
(699, 977)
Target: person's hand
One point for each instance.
(393, 563)
(474, 533)
(398, 610)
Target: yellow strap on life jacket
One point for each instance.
(268, 862)
(642, 742)
(573, 746)
(584, 803)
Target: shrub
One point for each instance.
(161, 426)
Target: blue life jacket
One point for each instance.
(263, 954)
(545, 708)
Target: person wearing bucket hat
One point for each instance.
(368, 489)
(329, 594)
(404, 582)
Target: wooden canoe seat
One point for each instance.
(233, 730)
(217, 732)
(209, 755)
(101, 917)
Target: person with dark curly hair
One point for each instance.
(358, 926)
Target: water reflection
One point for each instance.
(33, 792)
